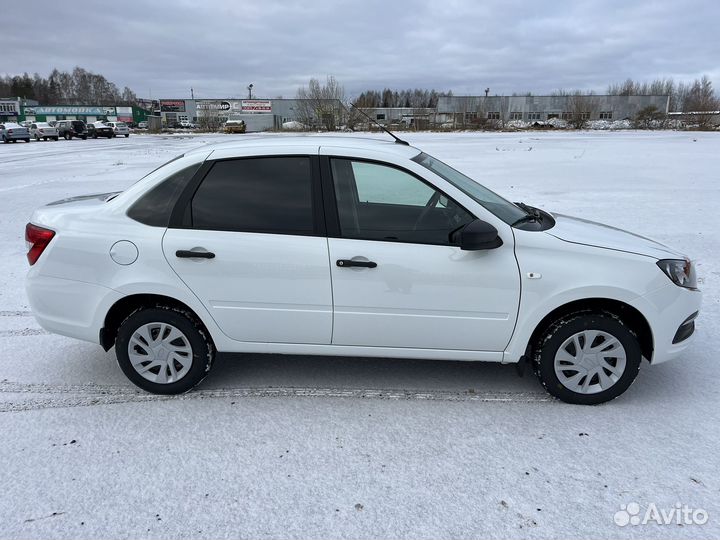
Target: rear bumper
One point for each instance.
(671, 312)
(71, 308)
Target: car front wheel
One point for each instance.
(587, 358)
(164, 350)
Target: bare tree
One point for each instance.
(702, 103)
(321, 105)
(580, 109)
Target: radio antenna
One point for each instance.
(398, 140)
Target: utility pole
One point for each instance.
(192, 94)
(250, 87)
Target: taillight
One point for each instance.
(36, 240)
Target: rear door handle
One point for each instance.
(343, 263)
(187, 254)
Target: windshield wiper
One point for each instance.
(533, 214)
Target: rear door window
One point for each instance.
(265, 194)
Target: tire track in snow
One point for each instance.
(23, 332)
(89, 395)
(15, 313)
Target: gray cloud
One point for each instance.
(218, 47)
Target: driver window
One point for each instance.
(378, 202)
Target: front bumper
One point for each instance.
(670, 310)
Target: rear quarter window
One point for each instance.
(154, 207)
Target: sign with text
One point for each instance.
(257, 105)
(172, 105)
(63, 109)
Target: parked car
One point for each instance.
(119, 129)
(234, 126)
(187, 125)
(337, 246)
(12, 132)
(100, 129)
(71, 128)
(43, 130)
(142, 125)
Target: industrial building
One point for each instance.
(462, 110)
(272, 114)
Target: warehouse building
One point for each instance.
(461, 110)
(258, 114)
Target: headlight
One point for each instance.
(680, 271)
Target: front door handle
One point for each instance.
(343, 263)
(188, 254)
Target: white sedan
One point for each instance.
(44, 131)
(119, 129)
(341, 246)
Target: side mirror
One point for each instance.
(478, 235)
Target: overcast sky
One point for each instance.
(161, 48)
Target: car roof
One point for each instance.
(312, 142)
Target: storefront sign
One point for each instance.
(213, 105)
(257, 105)
(174, 105)
(83, 111)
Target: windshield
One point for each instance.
(490, 200)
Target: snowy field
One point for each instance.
(301, 447)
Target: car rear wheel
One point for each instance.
(37, 138)
(164, 350)
(587, 358)
(127, 135)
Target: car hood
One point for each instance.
(590, 233)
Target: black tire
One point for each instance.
(55, 138)
(5, 140)
(94, 136)
(203, 350)
(84, 137)
(127, 135)
(27, 140)
(67, 136)
(554, 337)
(37, 138)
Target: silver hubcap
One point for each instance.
(160, 352)
(590, 362)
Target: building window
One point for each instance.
(470, 116)
(515, 116)
(585, 115)
(534, 116)
(605, 115)
(494, 115)
(567, 115)
(380, 116)
(552, 115)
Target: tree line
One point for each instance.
(76, 87)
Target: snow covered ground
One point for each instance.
(301, 447)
